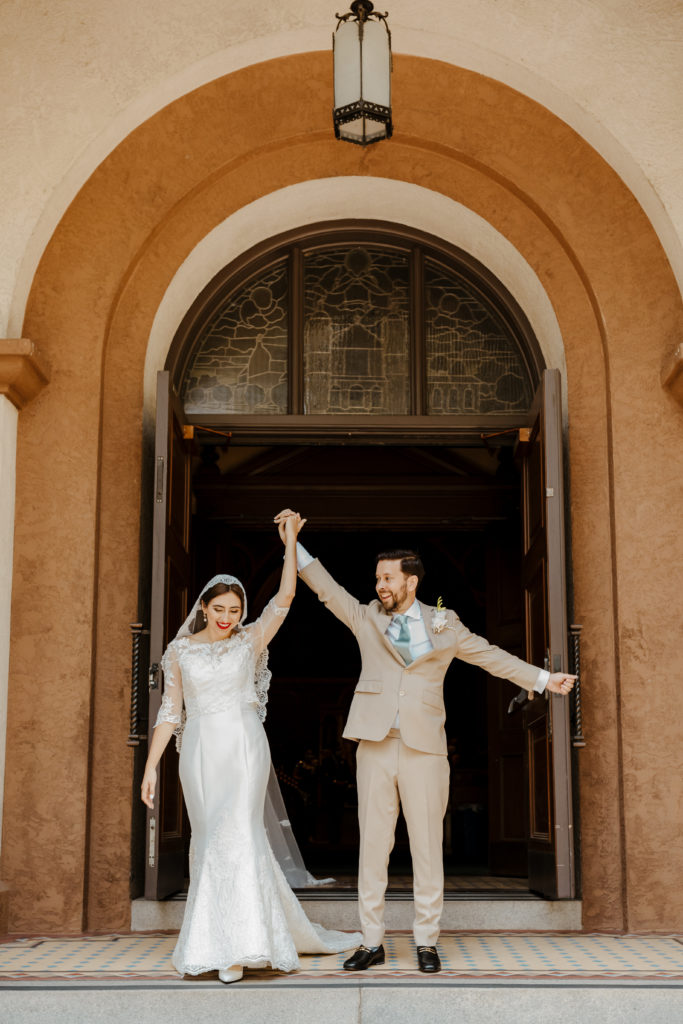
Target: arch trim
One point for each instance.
(306, 203)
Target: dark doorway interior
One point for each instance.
(460, 510)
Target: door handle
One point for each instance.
(516, 702)
(153, 676)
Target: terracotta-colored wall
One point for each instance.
(68, 798)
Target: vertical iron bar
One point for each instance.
(295, 298)
(578, 739)
(418, 391)
(137, 632)
(548, 698)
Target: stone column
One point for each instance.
(23, 373)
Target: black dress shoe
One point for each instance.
(364, 957)
(428, 959)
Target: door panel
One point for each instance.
(536, 604)
(507, 852)
(539, 817)
(166, 823)
(532, 482)
(546, 719)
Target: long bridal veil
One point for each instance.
(282, 840)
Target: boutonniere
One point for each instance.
(439, 622)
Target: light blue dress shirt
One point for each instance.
(419, 638)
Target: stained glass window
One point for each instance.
(240, 362)
(363, 311)
(356, 331)
(473, 363)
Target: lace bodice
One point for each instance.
(210, 677)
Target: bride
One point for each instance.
(240, 910)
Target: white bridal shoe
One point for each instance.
(230, 974)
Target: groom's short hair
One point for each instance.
(411, 563)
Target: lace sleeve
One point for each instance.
(171, 709)
(262, 631)
(262, 677)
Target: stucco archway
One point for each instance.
(92, 306)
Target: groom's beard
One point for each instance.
(392, 603)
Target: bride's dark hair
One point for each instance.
(208, 595)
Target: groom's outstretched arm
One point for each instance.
(333, 596)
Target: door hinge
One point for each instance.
(550, 492)
(151, 859)
(160, 478)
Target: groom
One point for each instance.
(397, 715)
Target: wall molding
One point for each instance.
(23, 371)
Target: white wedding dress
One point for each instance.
(240, 909)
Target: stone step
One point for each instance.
(462, 913)
(487, 978)
(346, 1002)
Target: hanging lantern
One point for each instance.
(362, 75)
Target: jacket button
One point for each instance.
(401, 693)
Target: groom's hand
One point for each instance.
(560, 682)
(283, 523)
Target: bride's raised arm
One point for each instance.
(263, 630)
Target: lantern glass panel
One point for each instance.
(376, 64)
(353, 129)
(347, 65)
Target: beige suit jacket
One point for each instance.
(387, 685)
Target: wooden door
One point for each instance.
(546, 718)
(166, 823)
(508, 828)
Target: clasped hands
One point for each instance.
(288, 522)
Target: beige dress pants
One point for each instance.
(389, 771)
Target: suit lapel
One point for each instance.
(427, 612)
(436, 639)
(441, 639)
